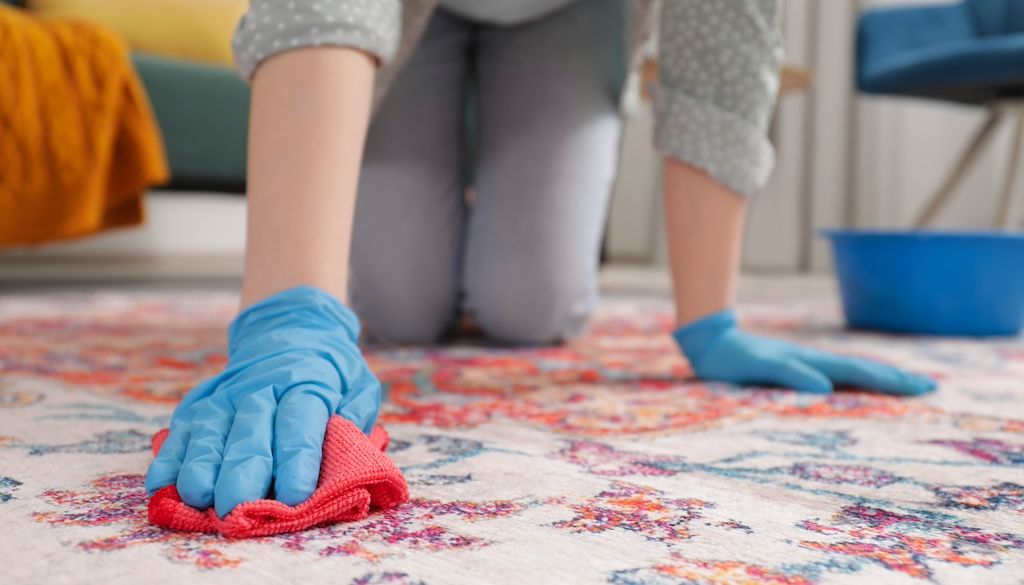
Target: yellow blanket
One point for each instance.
(78, 142)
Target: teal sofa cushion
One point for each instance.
(203, 112)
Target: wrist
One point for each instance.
(695, 337)
(302, 306)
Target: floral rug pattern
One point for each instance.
(601, 461)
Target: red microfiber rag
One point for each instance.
(355, 477)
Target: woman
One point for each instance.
(543, 77)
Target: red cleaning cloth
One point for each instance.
(355, 477)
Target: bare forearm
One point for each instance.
(705, 232)
(310, 112)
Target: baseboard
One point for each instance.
(186, 236)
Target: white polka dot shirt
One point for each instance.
(719, 66)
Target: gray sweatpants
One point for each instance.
(522, 259)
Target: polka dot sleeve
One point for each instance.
(273, 26)
(719, 74)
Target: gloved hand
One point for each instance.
(719, 350)
(293, 361)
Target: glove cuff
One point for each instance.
(298, 306)
(697, 336)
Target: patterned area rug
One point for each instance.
(597, 462)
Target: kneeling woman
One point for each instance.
(517, 98)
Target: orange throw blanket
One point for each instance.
(78, 141)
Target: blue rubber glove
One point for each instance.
(293, 361)
(719, 350)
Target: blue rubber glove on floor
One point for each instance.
(719, 350)
(293, 361)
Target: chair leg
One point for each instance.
(967, 160)
(1002, 218)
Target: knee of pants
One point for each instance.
(404, 314)
(531, 310)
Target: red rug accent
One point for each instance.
(355, 478)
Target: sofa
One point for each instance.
(203, 112)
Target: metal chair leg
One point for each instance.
(1003, 217)
(967, 160)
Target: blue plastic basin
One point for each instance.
(945, 283)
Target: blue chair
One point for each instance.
(971, 52)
